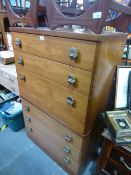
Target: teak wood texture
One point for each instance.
(57, 49)
(52, 98)
(49, 134)
(55, 71)
(55, 130)
(43, 66)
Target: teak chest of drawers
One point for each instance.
(65, 79)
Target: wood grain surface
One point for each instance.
(57, 49)
(55, 71)
(52, 98)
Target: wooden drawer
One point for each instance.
(56, 132)
(52, 135)
(52, 98)
(53, 151)
(113, 168)
(122, 157)
(58, 49)
(60, 73)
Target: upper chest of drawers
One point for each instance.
(69, 71)
(67, 64)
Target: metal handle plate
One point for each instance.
(73, 54)
(28, 118)
(123, 161)
(70, 101)
(71, 79)
(67, 150)
(67, 160)
(68, 138)
(22, 77)
(20, 61)
(18, 42)
(27, 108)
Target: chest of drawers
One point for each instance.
(114, 160)
(65, 80)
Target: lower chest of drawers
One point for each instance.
(65, 77)
(59, 142)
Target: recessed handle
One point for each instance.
(68, 138)
(20, 61)
(28, 118)
(27, 108)
(71, 80)
(123, 161)
(67, 160)
(73, 54)
(70, 101)
(67, 150)
(18, 42)
(22, 77)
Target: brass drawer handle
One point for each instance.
(67, 160)
(73, 54)
(18, 42)
(123, 161)
(67, 150)
(68, 138)
(71, 79)
(70, 101)
(20, 61)
(27, 108)
(28, 118)
(22, 77)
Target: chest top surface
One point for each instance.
(67, 33)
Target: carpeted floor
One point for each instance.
(20, 156)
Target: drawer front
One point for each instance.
(53, 131)
(71, 77)
(76, 53)
(66, 105)
(122, 157)
(53, 151)
(114, 169)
